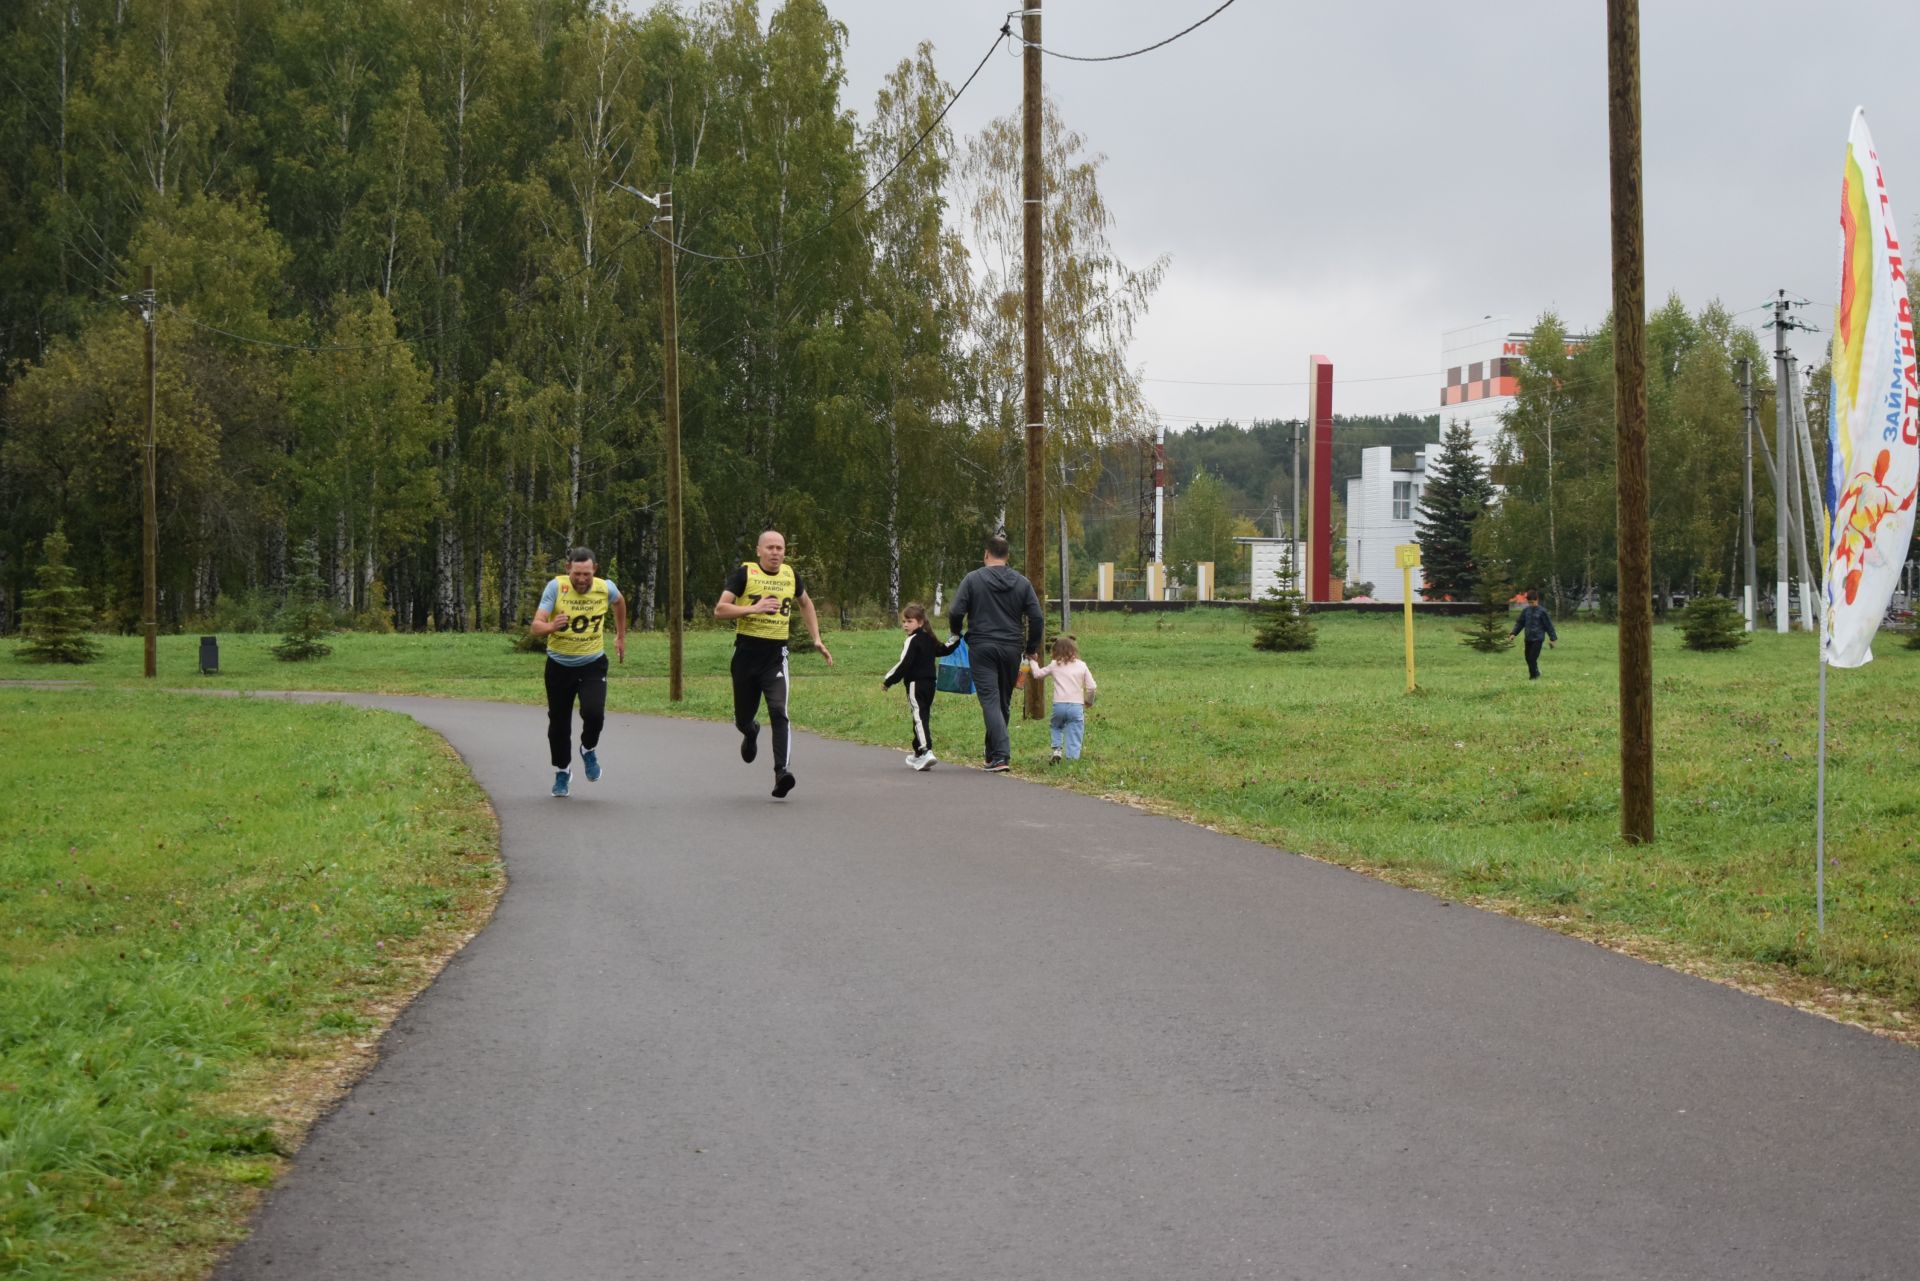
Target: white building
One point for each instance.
(1381, 503)
(1482, 361)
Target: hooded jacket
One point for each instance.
(1001, 610)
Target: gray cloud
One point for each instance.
(1352, 179)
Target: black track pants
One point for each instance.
(588, 683)
(760, 671)
(920, 713)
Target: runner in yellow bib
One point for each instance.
(573, 616)
(770, 588)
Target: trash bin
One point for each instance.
(209, 655)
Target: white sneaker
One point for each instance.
(913, 760)
(926, 762)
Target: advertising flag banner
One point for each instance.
(1873, 415)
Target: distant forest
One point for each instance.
(1253, 467)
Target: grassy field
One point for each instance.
(1479, 786)
(206, 906)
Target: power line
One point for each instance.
(1005, 33)
(1158, 44)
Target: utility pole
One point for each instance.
(149, 519)
(1293, 552)
(1630, 396)
(670, 389)
(1751, 593)
(1782, 476)
(670, 394)
(1802, 508)
(1066, 584)
(1031, 188)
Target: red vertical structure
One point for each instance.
(1319, 533)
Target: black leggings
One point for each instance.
(760, 671)
(588, 683)
(920, 713)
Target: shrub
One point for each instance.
(306, 617)
(1710, 621)
(1491, 633)
(57, 616)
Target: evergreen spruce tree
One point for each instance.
(56, 616)
(1281, 621)
(1710, 621)
(1492, 630)
(306, 616)
(1458, 493)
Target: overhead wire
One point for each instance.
(1134, 53)
(1004, 34)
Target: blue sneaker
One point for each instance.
(562, 778)
(590, 757)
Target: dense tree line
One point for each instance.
(1555, 522)
(407, 314)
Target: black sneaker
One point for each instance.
(782, 784)
(996, 767)
(750, 743)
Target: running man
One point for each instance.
(770, 588)
(572, 616)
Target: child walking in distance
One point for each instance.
(1073, 692)
(916, 669)
(1538, 626)
(572, 616)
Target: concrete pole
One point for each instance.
(1750, 593)
(1782, 476)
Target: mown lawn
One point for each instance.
(206, 905)
(1480, 786)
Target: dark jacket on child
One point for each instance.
(1535, 622)
(917, 658)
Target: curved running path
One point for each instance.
(954, 1025)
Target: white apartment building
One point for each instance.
(1381, 503)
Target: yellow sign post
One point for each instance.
(1407, 557)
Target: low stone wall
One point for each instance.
(1441, 608)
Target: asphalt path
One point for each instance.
(957, 1025)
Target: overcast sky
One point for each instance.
(1354, 178)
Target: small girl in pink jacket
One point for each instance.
(1073, 692)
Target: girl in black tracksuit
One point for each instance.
(916, 668)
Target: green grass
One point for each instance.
(202, 902)
(1479, 786)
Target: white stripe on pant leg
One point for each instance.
(786, 689)
(919, 726)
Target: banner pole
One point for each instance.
(1820, 811)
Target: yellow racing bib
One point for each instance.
(760, 585)
(586, 619)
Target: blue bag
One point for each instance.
(954, 674)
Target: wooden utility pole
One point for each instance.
(1031, 187)
(149, 518)
(1630, 398)
(670, 390)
